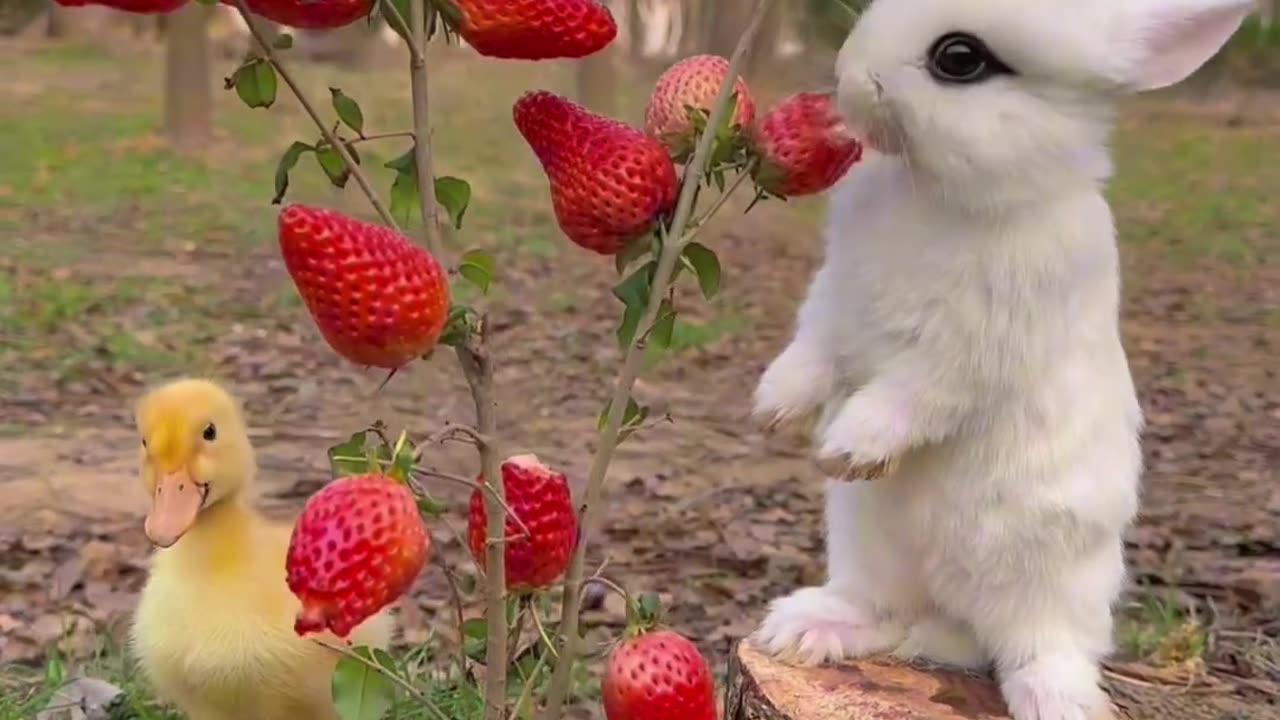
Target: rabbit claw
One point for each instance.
(844, 467)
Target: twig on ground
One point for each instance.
(356, 172)
(570, 605)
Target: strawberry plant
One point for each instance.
(380, 299)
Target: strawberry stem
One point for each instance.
(558, 691)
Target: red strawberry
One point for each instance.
(804, 146)
(357, 546)
(377, 298)
(658, 675)
(541, 498)
(132, 6)
(609, 181)
(310, 14)
(694, 82)
(535, 29)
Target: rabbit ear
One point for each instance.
(1170, 39)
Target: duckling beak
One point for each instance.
(174, 507)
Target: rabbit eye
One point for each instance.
(963, 58)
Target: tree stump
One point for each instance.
(761, 688)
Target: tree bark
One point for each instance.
(597, 82)
(188, 92)
(761, 688)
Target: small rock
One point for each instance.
(81, 699)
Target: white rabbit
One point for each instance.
(961, 339)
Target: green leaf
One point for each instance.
(429, 506)
(477, 267)
(403, 7)
(631, 318)
(704, 263)
(283, 41)
(475, 628)
(403, 161)
(454, 195)
(663, 326)
(54, 671)
(404, 189)
(335, 168)
(630, 253)
(361, 692)
(255, 83)
(649, 606)
(634, 291)
(402, 458)
(287, 162)
(349, 458)
(631, 417)
(458, 327)
(348, 111)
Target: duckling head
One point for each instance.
(195, 454)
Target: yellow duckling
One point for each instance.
(214, 627)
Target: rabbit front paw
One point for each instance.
(1056, 688)
(816, 625)
(862, 443)
(793, 387)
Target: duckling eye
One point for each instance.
(144, 443)
(210, 432)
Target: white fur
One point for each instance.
(965, 324)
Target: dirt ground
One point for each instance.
(119, 290)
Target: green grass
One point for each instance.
(25, 691)
(1190, 191)
(1158, 630)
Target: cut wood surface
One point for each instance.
(761, 688)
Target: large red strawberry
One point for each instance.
(804, 146)
(310, 14)
(609, 181)
(693, 82)
(540, 498)
(132, 6)
(534, 29)
(357, 547)
(377, 298)
(657, 674)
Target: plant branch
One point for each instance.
(474, 359)
(420, 13)
(483, 487)
(671, 250)
(392, 13)
(356, 172)
(719, 203)
(379, 136)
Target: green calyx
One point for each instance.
(644, 613)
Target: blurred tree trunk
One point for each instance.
(597, 82)
(352, 46)
(695, 37)
(188, 93)
(62, 21)
(635, 29)
(728, 20)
